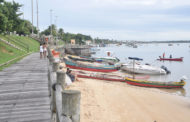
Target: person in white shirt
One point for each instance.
(41, 50)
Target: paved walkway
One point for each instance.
(24, 91)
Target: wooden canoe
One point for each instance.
(90, 67)
(155, 84)
(101, 76)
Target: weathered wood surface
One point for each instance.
(24, 91)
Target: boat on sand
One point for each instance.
(155, 84)
(138, 68)
(90, 66)
(103, 76)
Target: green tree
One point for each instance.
(10, 19)
(48, 30)
(3, 23)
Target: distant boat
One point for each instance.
(170, 44)
(155, 84)
(135, 46)
(170, 59)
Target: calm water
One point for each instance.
(150, 52)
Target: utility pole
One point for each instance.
(32, 18)
(56, 23)
(51, 19)
(55, 26)
(37, 17)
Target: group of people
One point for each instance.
(43, 50)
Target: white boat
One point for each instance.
(143, 69)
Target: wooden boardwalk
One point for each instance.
(24, 91)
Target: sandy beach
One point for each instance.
(104, 101)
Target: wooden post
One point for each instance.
(49, 79)
(53, 84)
(71, 105)
(50, 56)
(55, 66)
(61, 79)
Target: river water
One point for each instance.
(149, 53)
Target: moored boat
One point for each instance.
(143, 69)
(81, 58)
(108, 77)
(109, 60)
(155, 84)
(138, 68)
(90, 67)
(170, 59)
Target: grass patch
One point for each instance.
(8, 53)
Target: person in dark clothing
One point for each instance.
(68, 72)
(170, 56)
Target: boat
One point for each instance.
(105, 60)
(170, 44)
(155, 84)
(108, 77)
(90, 66)
(76, 58)
(109, 59)
(170, 59)
(142, 68)
(135, 46)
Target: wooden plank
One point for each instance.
(24, 91)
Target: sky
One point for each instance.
(141, 20)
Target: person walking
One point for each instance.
(41, 51)
(44, 50)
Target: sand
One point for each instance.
(104, 101)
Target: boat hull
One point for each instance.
(154, 84)
(142, 71)
(91, 69)
(101, 78)
(171, 59)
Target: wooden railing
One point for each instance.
(65, 104)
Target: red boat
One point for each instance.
(170, 59)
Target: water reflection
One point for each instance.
(178, 91)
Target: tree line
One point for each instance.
(10, 20)
(66, 37)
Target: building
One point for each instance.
(88, 42)
(73, 41)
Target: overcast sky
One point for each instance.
(116, 19)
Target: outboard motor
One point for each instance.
(166, 69)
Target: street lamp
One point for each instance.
(37, 17)
(32, 16)
(51, 19)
